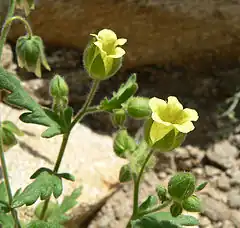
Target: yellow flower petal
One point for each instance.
(157, 105)
(119, 52)
(120, 42)
(190, 114)
(157, 119)
(107, 35)
(158, 131)
(174, 105)
(99, 45)
(185, 127)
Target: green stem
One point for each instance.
(83, 110)
(77, 118)
(5, 29)
(24, 21)
(137, 184)
(6, 182)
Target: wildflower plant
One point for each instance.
(166, 126)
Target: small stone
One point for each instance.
(211, 171)
(235, 218)
(235, 178)
(228, 224)
(181, 153)
(162, 175)
(197, 171)
(215, 210)
(196, 153)
(223, 154)
(223, 182)
(205, 221)
(234, 199)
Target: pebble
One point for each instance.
(212, 171)
(228, 224)
(235, 178)
(215, 210)
(234, 199)
(223, 182)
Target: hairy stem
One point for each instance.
(84, 110)
(137, 185)
(5, 29)
(6, 181)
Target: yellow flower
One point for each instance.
(168, 116)
(108, 43)
(103, 57)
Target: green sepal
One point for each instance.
(192, 204)
(19, 97)
(125, 91)
(149, 203)
(181, 186)
(125, 174)
(201, 186)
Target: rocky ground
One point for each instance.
(211, 152)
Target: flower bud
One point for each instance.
(26, 5)
(176, 209)
(58, 87)
(162, 193)
(123, 144)
(118, 117)
(30, 54)
(103, 57)
(181, 186)
(192, 204)
(125, 174)
(138, 107)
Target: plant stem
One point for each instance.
(137, 184)
(77, 118)
(5, 29)
(83, 110)
(6, 182)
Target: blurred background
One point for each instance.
(189, 49)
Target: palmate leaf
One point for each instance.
(125, 91)
(164, 220)
(57, 213)
(45, 184)
(19, 97)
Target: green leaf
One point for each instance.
(66, 176)
(150, 202)
(125, 91)
(10, 126)
(19, 97)
(56, 213)
(45, 184)
(8, 138)
(43, 224)
(164, 220)
(4, 207)
(6, 220)
(70, 201)
(201, 186)
(68, 114)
